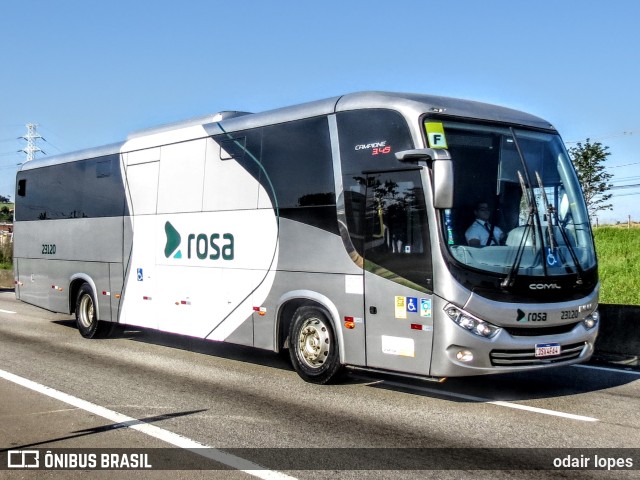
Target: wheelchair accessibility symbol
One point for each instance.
(412, 305)
(552, 257)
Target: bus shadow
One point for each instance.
(228, 351)
(532, 385)
(206, 347)
(535, 384)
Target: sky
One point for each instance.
(88, 73)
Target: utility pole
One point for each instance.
(32, 135)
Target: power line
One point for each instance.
(624, 165)
(625, 179)
(49, 133)
(618, 187)
(606, 136)
(626, 194)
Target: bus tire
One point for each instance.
(313, 347)
(86, 316)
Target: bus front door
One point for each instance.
(398, 302)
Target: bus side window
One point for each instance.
(22, 187)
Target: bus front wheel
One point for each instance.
(86, 315)
(313, 347)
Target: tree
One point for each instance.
(588, 159)
(4, 199)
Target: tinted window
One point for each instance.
(294, 165)
(297, 158)
(396, 237)
(369, 140)
(82, 189)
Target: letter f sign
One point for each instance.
(435, 135)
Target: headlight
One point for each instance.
(473, 324)
(591, 320)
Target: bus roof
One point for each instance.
(408, 103)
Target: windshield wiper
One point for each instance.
(553, 244)
(510, 278)
(550, 210)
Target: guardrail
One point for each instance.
(619, 337)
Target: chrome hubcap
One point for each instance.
(314, 342)
(85, 313)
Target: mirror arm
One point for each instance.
(428, 154)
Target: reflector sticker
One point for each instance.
(424, 328)
(435, 135)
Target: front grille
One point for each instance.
(522, 358)
(540, 331)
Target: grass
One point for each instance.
(618, 264)
(6, 256)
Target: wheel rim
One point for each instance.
(314, 342)
(85, 311)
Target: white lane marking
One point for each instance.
(500, 403)
(544, 411)
(6, 311)
(609, 369)
(166, 436)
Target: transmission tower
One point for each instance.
(32, 135)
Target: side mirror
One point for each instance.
(442, 172)
(564, 207)
(443, 184)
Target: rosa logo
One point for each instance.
(173, 241)
(203, 246)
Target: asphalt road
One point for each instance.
(142, 391)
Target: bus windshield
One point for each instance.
(518, 207)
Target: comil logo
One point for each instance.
(544, 286)
(204, 246)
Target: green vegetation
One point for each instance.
(6, 212)
(619, 264)
(6, 249)
(6, 255)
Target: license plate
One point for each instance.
(547, 349)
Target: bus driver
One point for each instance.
(481, 233)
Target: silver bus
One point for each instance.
(337, 229)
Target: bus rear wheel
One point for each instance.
(313, 347)
(86, 315)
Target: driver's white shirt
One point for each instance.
(479, 231)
